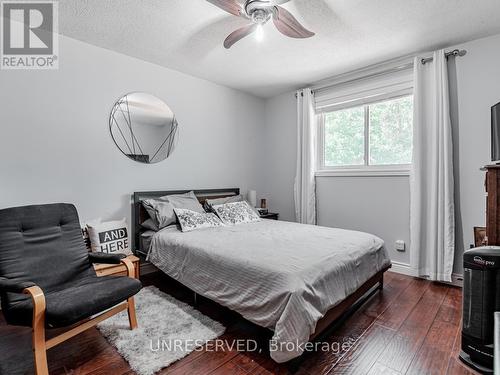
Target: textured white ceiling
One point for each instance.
(187, 35)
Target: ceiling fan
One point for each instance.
(260, 12)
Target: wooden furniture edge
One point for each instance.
(83, 327)
(131, 271)
(38, 329)
(113, 269)
(40, 345)
(337, 311)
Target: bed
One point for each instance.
(293, 279)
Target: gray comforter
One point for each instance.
(280, 275)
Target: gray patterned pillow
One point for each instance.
(225, 200)
(236, 213)
(192, 220)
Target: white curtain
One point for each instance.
(305, 189)
(432, 222)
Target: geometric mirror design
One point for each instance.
(143, 127)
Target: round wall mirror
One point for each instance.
(143, 127)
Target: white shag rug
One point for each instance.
(162, 322)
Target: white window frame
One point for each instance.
(358, 170)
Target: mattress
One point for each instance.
(280, 275)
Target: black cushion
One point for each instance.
(68, 306)
(43, 244)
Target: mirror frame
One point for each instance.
(110, 125)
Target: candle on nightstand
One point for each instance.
(252, 198)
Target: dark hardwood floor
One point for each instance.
(412, 327)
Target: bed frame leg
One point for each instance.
(195, 299)
(381, 283)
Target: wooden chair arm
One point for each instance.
(130, 267)
(38, 299)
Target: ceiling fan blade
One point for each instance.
(275, 2)
(239, 34)
(230, 6)
(288, 25)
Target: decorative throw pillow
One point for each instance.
(109, 237)
(187, 201)
(192, 220)
(160, 211)
(236, 213)
(219, 201)
(210, 203)
(85, 233)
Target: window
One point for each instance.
(374, 136)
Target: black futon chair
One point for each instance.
(47, 278)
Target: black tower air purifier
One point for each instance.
(481, 298)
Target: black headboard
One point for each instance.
(139, 214)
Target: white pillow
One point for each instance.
(109, 237)
(192, 220)
(236, 213)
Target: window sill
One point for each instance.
(364, 172)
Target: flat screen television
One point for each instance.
(495, 133)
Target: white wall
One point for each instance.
(380, 205)
(55, 144)
(476, 80)
(279, 150)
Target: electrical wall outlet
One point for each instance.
(400, 245)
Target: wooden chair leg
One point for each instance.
(131, 313)
(40, 351)
(131, 272)
(38, 330)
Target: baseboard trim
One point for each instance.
(402, 268)
(405, 269)
(457, 279)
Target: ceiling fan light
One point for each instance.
(259, 33)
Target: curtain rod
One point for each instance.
(454, 53)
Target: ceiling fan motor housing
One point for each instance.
(258, 11)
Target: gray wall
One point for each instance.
(475, 83)
(380, 205)
(279, 150)
(55, 143)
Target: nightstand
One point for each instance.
(118, 269)
(270, 216)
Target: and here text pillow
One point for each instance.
(192, 220)
(236, 213)
(110, 237)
